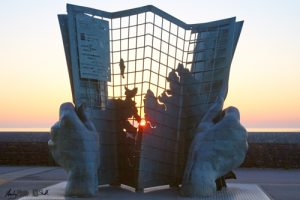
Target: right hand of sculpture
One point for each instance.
(74, 145)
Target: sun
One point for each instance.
(143, 122)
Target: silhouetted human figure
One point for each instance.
(127, 109)
(130, 93)
(122, 67)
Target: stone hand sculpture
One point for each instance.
(219, 146)
(74, 145)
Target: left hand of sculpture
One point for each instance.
(74, 145)
(219, 145)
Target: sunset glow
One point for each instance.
(143, 122)
(264, 80)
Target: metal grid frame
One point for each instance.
(152, 43)
(146, 49)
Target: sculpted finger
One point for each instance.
(68, 117)
(232, 112)
(83, 115)
(212, 112)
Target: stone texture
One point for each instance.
(273, 155)
(74, 145)
(23, 148)
(217, 148)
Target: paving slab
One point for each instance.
(15, 174)
(282, 191)
(232, 192)
(8, 169)
(277, 184)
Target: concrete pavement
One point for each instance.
(278, 184)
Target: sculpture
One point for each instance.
(126, 110)
(122, 67)
(217, 148)
(74, 145)
(155, 154)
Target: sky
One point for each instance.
(264, 79)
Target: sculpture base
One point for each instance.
(233, 192)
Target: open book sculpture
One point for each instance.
(153, 87)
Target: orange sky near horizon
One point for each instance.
(264, 79)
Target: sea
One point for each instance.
(248, 129)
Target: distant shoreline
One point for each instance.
(272, 129)
(248, 129)
(25, 129)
